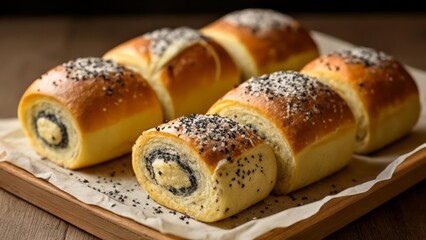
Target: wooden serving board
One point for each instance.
(333, 215)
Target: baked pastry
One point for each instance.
(382, 95)
(204, 166)
(263, 41)
(87, 111)
(188, 71)
(309, 126)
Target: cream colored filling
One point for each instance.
(49, 131)
(46, 129)
(231, 188)
(170, 174)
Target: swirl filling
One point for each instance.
(167, 170)
(50, 130)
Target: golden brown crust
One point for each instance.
(267, 49)
(96, 102)
(205, 166)
(187, 72)
(196, 69)
(138, 44)
(228, 68)
(141, 46)
(377, 86)
(188, 75)
(313, 118)
(215, 138)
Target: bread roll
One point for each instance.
(87, 111)
(206, 167)
(188, 71)
(382, 95)
(309, 126)
(263, 41)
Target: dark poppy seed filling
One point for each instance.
(43, 119)
(168, 156)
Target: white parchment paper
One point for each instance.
(113, 185)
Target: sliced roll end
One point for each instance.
(51, 129)
(74, 107)
(200, 173)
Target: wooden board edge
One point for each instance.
(106, 225)
(322, 224)
(93, 219)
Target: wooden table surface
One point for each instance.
(29, 46)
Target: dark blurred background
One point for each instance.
(88, 7)
(37, 35)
